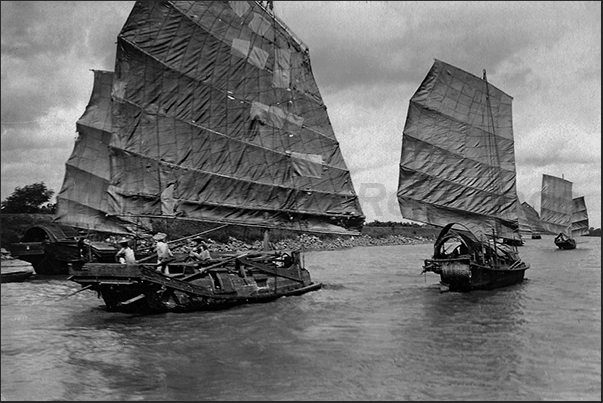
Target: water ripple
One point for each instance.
(377, 330)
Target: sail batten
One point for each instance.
(457, 161)
(330, 163)
(534, 221)
(525, 228)
(580, 224)
(556, 204)
(216, 116)
(217, 85)
(82, 201)
(316, 227)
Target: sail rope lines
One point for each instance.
(492, 151)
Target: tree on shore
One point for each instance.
(30, 199)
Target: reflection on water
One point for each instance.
(377, 330)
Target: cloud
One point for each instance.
(48, 49)
(385, 42)
(545, 55)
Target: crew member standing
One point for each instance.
(164, 254)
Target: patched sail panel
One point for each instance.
(579, 217)
(214, 103)
(214, 115)
(556, 204)
(458, 160)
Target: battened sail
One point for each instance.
(458, 158)
(579, 217)
(525, 229)
(216, 117)
(533, 217)
(82, 201)
(556, 204)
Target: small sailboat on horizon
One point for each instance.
(556, 209)
(457, 172)
(534, 222)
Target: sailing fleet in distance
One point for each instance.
(222, 122)
(458, 172)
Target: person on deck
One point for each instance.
(164, 254)
(200, 252)
(126, 254)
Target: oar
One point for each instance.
(136, 298)
(218, 264)
(146, 259)
(269, 270)
(73, 293)
(185, 238)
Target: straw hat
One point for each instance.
(160, 236)
(124, 241)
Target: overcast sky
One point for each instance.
(368, 59)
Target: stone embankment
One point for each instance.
(305, 242)
(312, 242)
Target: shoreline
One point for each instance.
(311, 243)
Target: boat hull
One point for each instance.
(564, 242)
(44, 259)
(14, 270)
(53, 249)
(189, 287)
(464, 276)
(16, 276)
(513, 242)
(466, 264)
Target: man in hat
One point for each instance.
(200, 251)
(164, 254)
(126, 253)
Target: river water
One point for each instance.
(377, 330)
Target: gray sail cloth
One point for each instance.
(458, 160)
(525, 229)
(556, 204)
(533, 219)
(82, 201)
(216, 116)
(579, 217)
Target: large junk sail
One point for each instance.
(525, 229)
(83, 199)
(579, 217)
(556, 204)
(458, 159)
(533, 217)
(214, 116)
